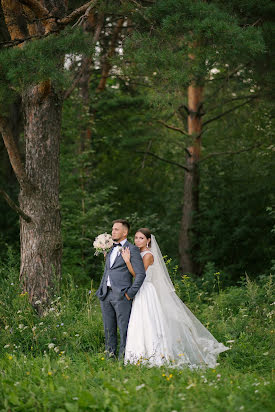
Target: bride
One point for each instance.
(162, 330)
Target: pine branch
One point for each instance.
(13, 153)
(177, 129)
(52, 25)
(165, 160)
(14, 206)
(231, 152)
(228, 111)
(232, 100)
(68, 19)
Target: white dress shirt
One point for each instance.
(115, 252)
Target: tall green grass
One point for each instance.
(57, 362)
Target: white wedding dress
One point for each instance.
(162, 330)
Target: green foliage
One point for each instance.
(40, 60)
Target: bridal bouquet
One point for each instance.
(103, 243)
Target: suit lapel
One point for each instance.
(118, 257)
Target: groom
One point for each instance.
(117, 288)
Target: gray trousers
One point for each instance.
(116, 313)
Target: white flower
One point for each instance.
(140, 387)
(51, 345)
(56, 349)
(75, 398)
(77, 334)
(190, 386)
(12, 283)
(20, 326)
(6, 346)
(230, 341)
(33, 329)
(37, 302)
(41, 323)
(51, 309)
(6, 327)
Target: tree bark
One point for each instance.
(41, 245)
(191, 182)
(40, 223)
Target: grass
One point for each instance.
(57, 363)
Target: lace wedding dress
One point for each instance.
(162, 330)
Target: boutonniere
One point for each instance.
(120, 249)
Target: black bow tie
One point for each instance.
(117, 244)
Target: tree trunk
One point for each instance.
(191, 182)
(41, 245)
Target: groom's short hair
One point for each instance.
(123, 222)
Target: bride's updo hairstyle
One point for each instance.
(146, 232)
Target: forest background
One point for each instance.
(125, 130)
(160, 112)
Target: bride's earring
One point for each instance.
(147, 245)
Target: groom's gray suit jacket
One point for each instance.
(120, 277)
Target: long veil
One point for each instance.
(188, 341)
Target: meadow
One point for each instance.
(56, 362)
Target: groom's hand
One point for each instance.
(127, 297)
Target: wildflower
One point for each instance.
(16, 383)
(12, 283)
(218, 376)
(75, 398)
(102, 358)
(20, 326)
(27, 373)
(140, 387)
(265, 354)
(256, 391)
(56, 349)
(33, 329)
(61, 324)
(41, 323)
(37, 302)
(6, 346)
(50, 373)
(51, 345)
(181, 354)
(90, 292)
(10, 357)
(190, 386)
(6, 327)
(77, 334)
(19, 311)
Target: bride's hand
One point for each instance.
(125, 253)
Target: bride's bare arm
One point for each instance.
(125, 253)
(148, 260)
